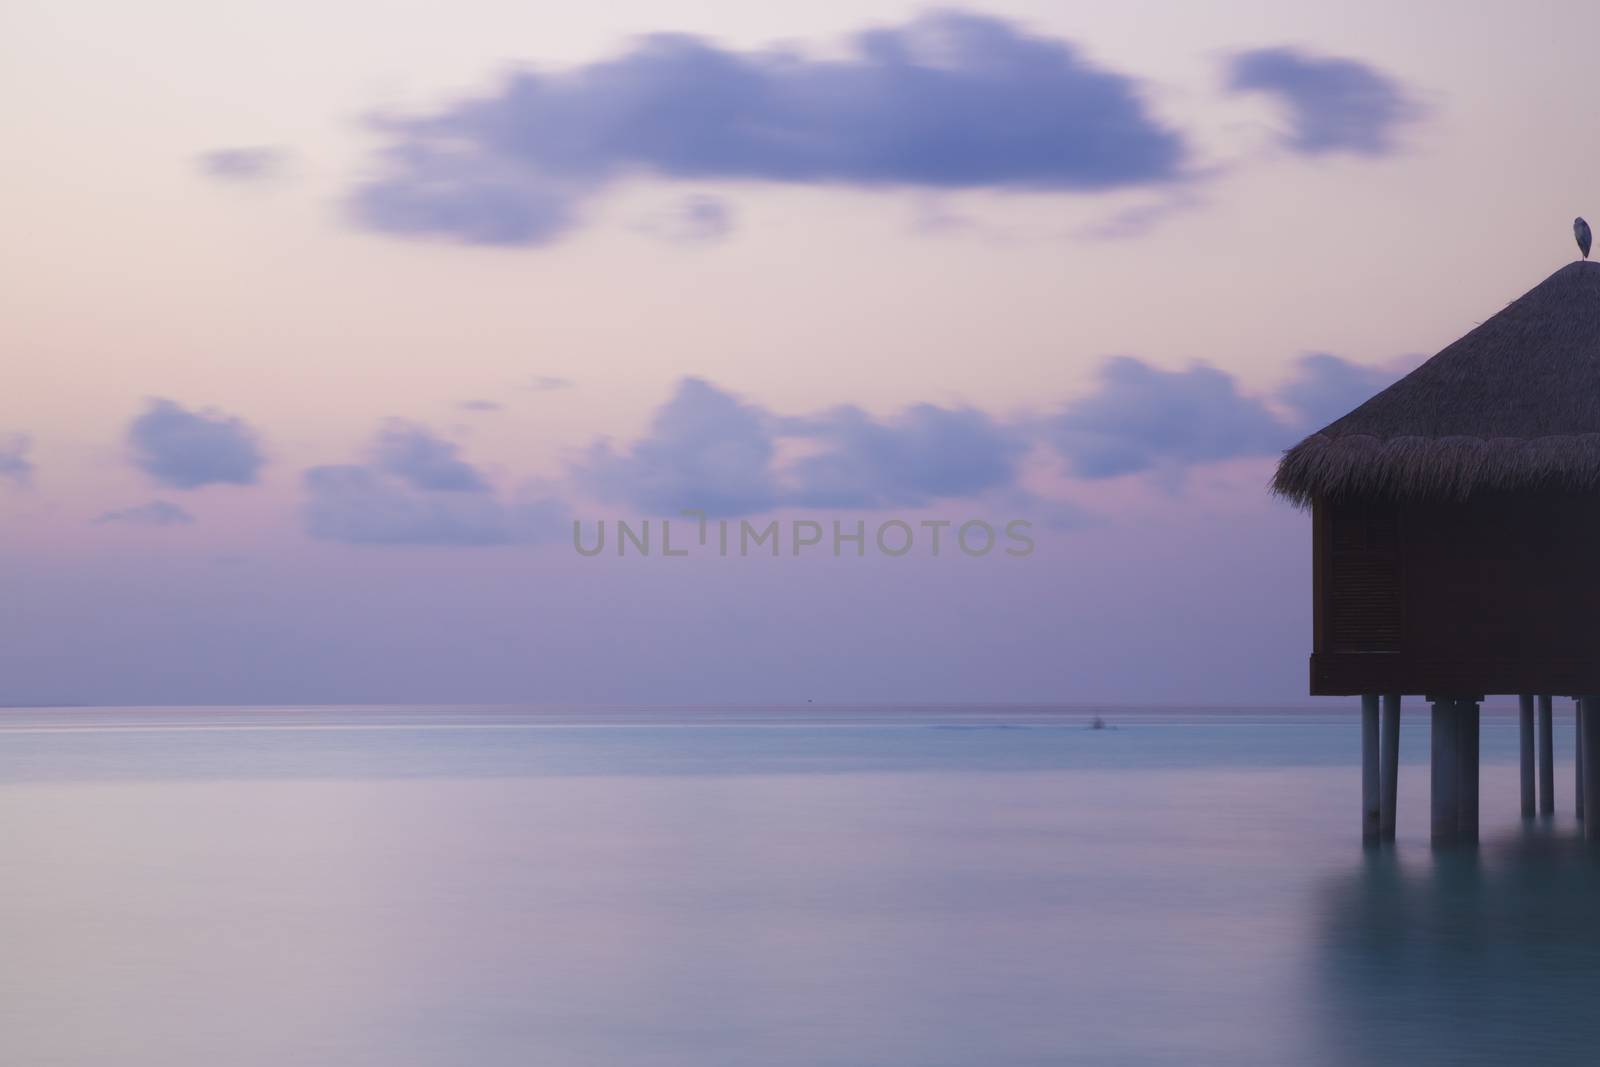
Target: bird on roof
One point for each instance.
(1580, 230)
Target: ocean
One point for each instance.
(873, 887)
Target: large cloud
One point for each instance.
(186, 449)
(709, 450)
(948, 101)
(1335, 104)
(15, 466)
(417, 491)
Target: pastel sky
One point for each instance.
(323, 322)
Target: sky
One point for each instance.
(326, 325)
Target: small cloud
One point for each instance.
(932, 215)
(480, 405)
(260, 163)
(414, 455)
(1141, 418)
(416, 491)
(15, 466)
(435, 192)
(1049, 512)
(1144, 419)
(185, 449)
(1139, 219)
(358, 505)
(546, 383)
(699, 219)
(923, 454)
(1334, 104)
(155, 513)
(1326, 387)
(706, 449)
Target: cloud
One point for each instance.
(474, 200)
(155, 513)
(186, 449)
(947, 101)
(548, 383)
(15, 466)
(1326, 387)
(711, 451)
(1047, 512)
(253, 164)
(481, 405)
(706, 449)
(358, 505)
(414, 455)
(1335, 104)
(1142, 417)
(695, 220)
(416, 491)
(923, 454)
(1139, 219)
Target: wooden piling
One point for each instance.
(1577, 756)
(1547, 750)
(1446, 782)
(1525, 733)
(1590, 711)
(1389, 766)
(1467, 764)
(1370, 821)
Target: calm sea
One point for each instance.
(189, 887)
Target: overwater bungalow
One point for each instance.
(1456, 549)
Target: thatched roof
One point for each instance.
(1513, 405)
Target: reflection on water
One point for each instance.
(942, 889)
(1465, 957)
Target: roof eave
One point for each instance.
(1435, 468)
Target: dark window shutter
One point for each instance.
(1364, 580)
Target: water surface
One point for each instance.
(784, 886)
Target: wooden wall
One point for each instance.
(1493, 595)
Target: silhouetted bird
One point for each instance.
(1580, 230)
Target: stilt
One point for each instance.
(1446, 779)
(1547, 750)
(1589, 709)
(1467, 757)
(1525, 732)
(1389, 766)
(1577, 755)
(1369, 768)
